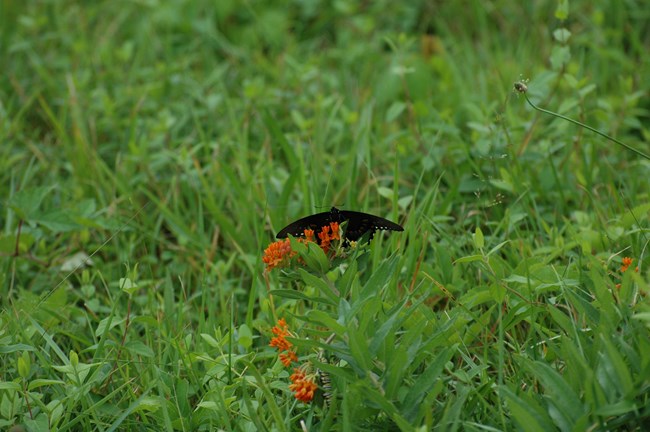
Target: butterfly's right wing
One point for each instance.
(361, 223)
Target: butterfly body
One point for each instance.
(358, 224)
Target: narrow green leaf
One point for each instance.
(469, 258)
(8, 385)
(359, 349)
(479, 240)
(562, 395)
(34, 384)
(293, 294)
(425, 382)
(616, 367)
(526, 413)
(7, 349)
(380, 277)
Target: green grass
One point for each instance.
(170, 141)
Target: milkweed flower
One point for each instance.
(287, 358)
(287, 354)
(327, 234)
(304, 385)
(278, 254)
(627, 261)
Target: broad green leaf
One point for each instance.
(562, 35)
(321, 285)
(26, 202)
(139, 348)
(245, 336)
(562, 10)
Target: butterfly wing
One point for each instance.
(358, 224)
(361, 223)
(314, 222)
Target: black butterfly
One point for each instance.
(358, 224)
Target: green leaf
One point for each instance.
(479, 240)
(469, 258)
(9, 385)
(245, 336)
(298, 295)
(636, 216)
(562, 35)
(128, 286)
(425, 382)
(17, 347)
(34, 384)
(344, 283)
(359, 349)
(40, 423)
(318, 316)
(312, 254)
(110, 320)
(26, 202)
(394, 111)
(23, 367)
(74, 359)
(139, 348)
(562, 10)
(526, 412)
(560, 56)
(321, 285)
(613, 364)
(565, 400)
(498, 292)
(57, 221)
(380, 277)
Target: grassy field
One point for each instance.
(151, 150)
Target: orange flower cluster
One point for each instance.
(279, 253)
(327, 234)
(287, 354)
(304, 385)
(627, 261)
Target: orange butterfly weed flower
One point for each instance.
(304, 385)
(327, 234)
(627, 261)
(287, 358)
(287, 354)
(277, 254)
(309, 236)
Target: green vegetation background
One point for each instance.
(174, 138)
